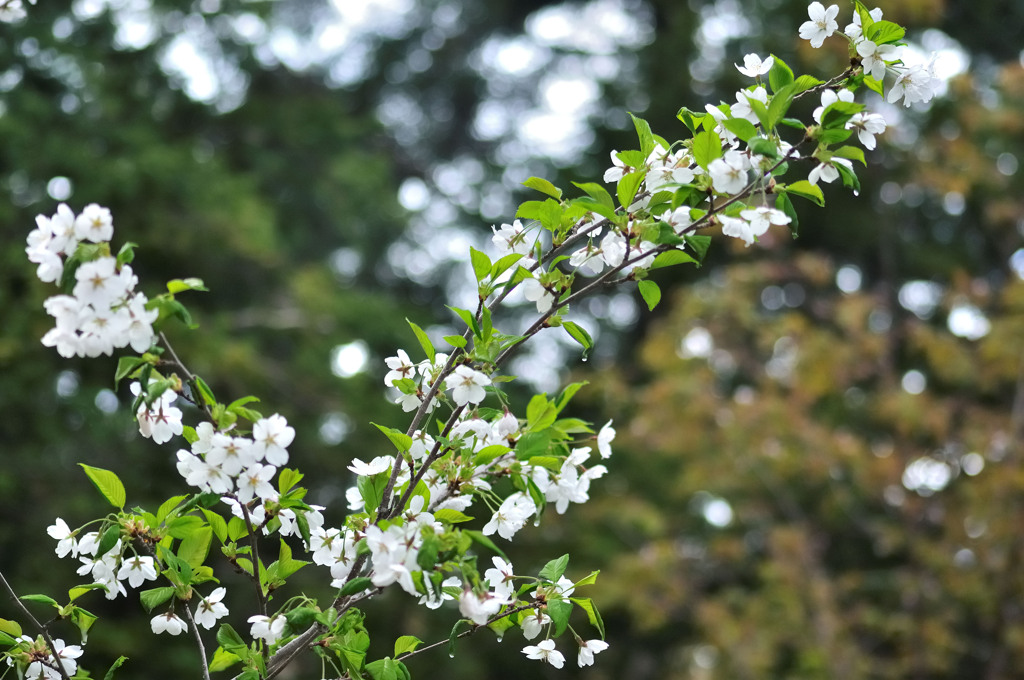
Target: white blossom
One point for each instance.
(822, 23)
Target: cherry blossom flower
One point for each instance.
(754, 67)
(500, 578)
(467, 385)
(401, 367)
(255, 482)
(267, 628)
(66, 542)
(867, 126)
(873, 57)
(729, 173)
(272, 436)
(545, 651)
(618, 169)
(830, 97)
(826, 172)
(480, 608)
(94, 224)
(822, 23)
(511, 516)
(534, 623)
(167, 623)
(743, 109)
(588, 648)
(137, 570)
(916, 84)
(854, 30)
(535, 292)
(604, 440)
(211, 608)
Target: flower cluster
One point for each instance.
(103, 312)
(240, 466)
(38, 662)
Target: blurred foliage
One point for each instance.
(798, 420)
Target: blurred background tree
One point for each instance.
(818, 472)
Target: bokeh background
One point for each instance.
(819, 465)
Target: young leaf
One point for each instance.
(481, 264)
(108, 484)
(780, 75)
(543, 186)
(428, 347)
(356, 585)
(650, 292)
(700, 245)
(850, 180)
(593, 615)
(401, 440)
(643, 131)
(114, 666)
(740, 127)
(670, 258)
(627, 187)
(580, 335)
(406, 643)
(805, 189)
(555, 568)
(154, 597)
(854, 153)
(707, 146)
(559, 611)
(223, 660)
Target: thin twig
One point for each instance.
(467, 633)
(40, 627)
(199, 641)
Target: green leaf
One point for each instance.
(707, 146)
(764, 147)
(154, 597)
(223, 660)
(740, 127)
(468, 318)
(108, 484)
(804, 83)
(125, 366)
(650, 292)
(230, 641)
(428, 347)
(503, 264)
(884, 32)
(780, 74)
(833, 135)
(849, 177)
(643, 131)
(217, 524)
(485, 541)
(42, 599)
(108, 539)
(804, 189)
(287, 479)
(181, 285)
(355, 586)
(627, 187)
(588, 580)
(783, 203)
(489, 453)
(401, 440)
(455, 341)
(874, 85)
(167, 506)
(11, 628)
(451, 516)
(382, 669)
(371, 489)
(699, 244)
(672, 257)
(205, 393)
(460, 625)
(555, 568)
(852, 152)
(114, 666)
(690, 119)
(593, 615)
(481, 264)
(196, 546)
(598, 193)
(543, 186)
(126, 254)
(837, 114)
(580, 335)
(407, 643)
(559, 611)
